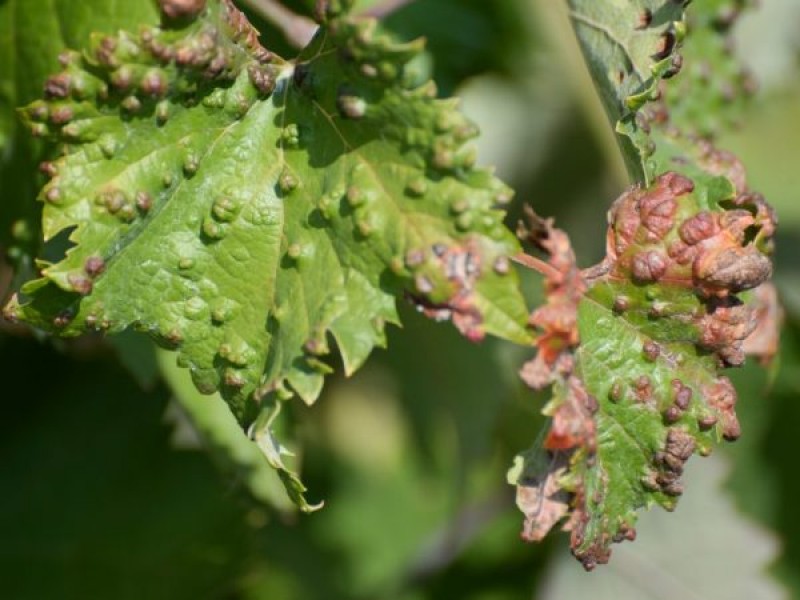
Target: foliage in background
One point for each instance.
(440, 432)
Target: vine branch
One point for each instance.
(383, 9)
(299, 29)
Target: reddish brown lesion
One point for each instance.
(721, 396)
(768, 315)
(725, 327)
(573, 424)
(462, 265)
(573, 428)
(716, 253)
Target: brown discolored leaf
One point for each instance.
(460, 265)
(634, 346)
(572, 426)
(556, 320)
(542, 500)
(768, 315)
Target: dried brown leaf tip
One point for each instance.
(544, 493)
(768, 313)
(541, 499)
(557, 319)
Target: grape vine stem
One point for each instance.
(383, 9)
(299, 29)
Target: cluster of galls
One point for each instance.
(670, 461)
(144, 74)
(672, 259)
(722, 81)
(373, 62)
(664, 235)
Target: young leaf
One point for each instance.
(709, 94)
(239, 207)
(629, 46)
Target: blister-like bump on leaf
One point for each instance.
(630, 46)
(709, 94)
(637, 382)
(240, 208)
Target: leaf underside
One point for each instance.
(629, 47)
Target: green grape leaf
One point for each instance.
(239, 207)
(629, 47)
(634, 346)
(31, 38)
(710, 93)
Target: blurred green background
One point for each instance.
(112, 489)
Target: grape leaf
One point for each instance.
(239, 207)
(673, 559)
(635, 358)
(710, 94)
(30, 40)
(629, 46)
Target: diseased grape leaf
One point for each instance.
(239, 207)
(629, 46)
(636, 358)
(710, 93)
(634, 345)
(31, 37)
(706, 550)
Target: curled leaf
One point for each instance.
(659, 317)
(630, 46)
